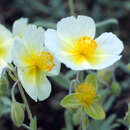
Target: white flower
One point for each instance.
(19, 27)
(74, 45)
(6, 44)
(34, 63)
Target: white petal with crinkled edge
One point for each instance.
(44, 88)
(108, 61)
(6, 44)
(54, 43)
(71, 28)
(18, 51)
(67, 59)
(20, 26)
(34, 36)
(5, 33)
(36, 85)
(31, 42)
(3, 65)
(110, 43)
(28, 83)
(56, 70)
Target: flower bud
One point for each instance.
(105, 75)
(3, 85)
(115, 88)
(127, 116)
(128, 66)
(17, 113)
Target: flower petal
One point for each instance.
(57, 46)
(3, 65)
(20, 26)
(72, 28)
(28, 82)
(44, 88)
(70, 101)
(56, 70)
(35, 83)
(108, 60)
(95, 111)
(68, 60)
(20, 52)
(52, 42)
(6, 44)
(5, 33)
(34, 36)
(110, 43)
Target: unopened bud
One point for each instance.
(105, 75)
(115, 88)
(127, 116)
(17, 113)
(3, 85)
(128, 66)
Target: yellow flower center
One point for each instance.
(43, 61)
(87, 94)
(85, 46)
(84, 49)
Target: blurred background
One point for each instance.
(46, 13)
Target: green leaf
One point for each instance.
(91, 79)
(17, 113)
(68, 120)
(76, 116)
(62, 81)
(70, 101)
(115, 87)
(95, 111)
(107, 22)
(6, 101)
(33, 123)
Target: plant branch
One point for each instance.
(25, 101)
(12, 91)
(71, 6)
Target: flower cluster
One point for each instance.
(38, 53)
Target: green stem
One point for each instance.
(12, 76)
(83, 121)
(71, 6)
(12, 91)
(78, 76)
(25, 100)
(70, 88)
(27, 127)
(68, 120)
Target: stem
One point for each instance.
(12, 76)
(27, 127)
(78, 76)
(25, 100)
(83, 121)
(68, 120)
(104, 83)
(71, 6)
(12, 92)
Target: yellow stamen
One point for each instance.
(45, 61)
(84, 49)
(87, 94)
(42, 61)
